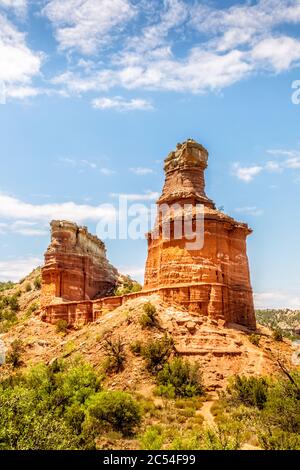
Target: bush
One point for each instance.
(116, 409)
(61, 326)
(179, 378)
(279, 440)
(14, 303)
(32, 309)
(15, 353)
(250, 391)
(28, 287)
(152, 439)
(37, 283)
(116, 354)
(45, 408)
(129, 286)
(149, 317)
(222, 437)
(254, 339)
(156, 353)
(136, 348)
(277, 335)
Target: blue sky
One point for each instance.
(95, 93)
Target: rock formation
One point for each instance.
(196, 256)
(76, 267)
(210, 277)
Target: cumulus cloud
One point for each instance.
(280, 53)
(285, 160)
(276, 299)
(235, 42)
(19, 6)
(16, 269)
(120, 104)
(13, 208)
(246, 173)
(86, 25)
(18, 63)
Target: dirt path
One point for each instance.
(205, 411)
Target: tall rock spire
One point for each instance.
(184, 169)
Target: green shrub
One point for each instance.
(116, 354)
(156, 353)
(129, 286)
(32, 309)
(136, 348)
(152, 439)
(277, 335)
(116, 409)
(254, 339)
(45, 408)
(37, 283)
(28, 287)
(61, 326)
(14, 303)
(277, 439)
(6, 285)
(282, 409)
(222, 437)
(179, 378)
(149, 317)
(250, 391)
(15, 353)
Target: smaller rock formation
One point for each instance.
(76, 267)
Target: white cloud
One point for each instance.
(141, 171)
(120, 104)
(86, 25)
(291, 158)
(135, 272)
(281, 52)
(246, 174)
(16, 269)
(148, 196)
(249, 210)
(273, 166)
(81, 165)
(107, 171)
(23, 227)
(13, 208)
(174, 13)
(18, 63)
(276, 299)
(20, 6)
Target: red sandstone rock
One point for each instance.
(213, 280)
(76, 267)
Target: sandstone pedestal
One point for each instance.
(211, 280)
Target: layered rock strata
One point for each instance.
(76, 267)
(210, 277)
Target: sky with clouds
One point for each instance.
(95, 93)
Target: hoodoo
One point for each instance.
(196, 256)
(209, 277)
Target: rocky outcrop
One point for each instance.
(209, 276)
(76, 267)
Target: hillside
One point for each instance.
(122, 334)
(287, 320)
